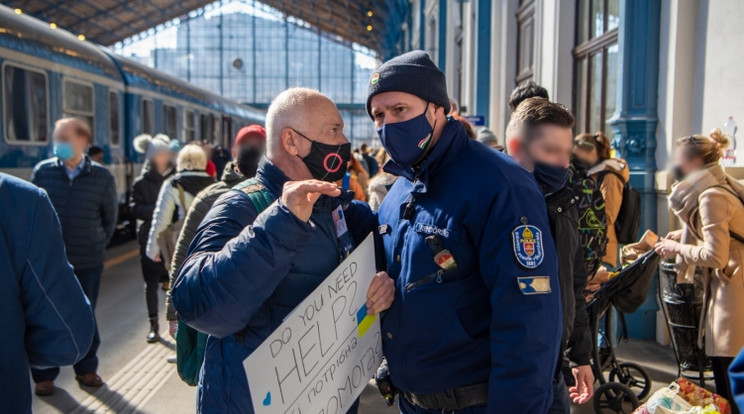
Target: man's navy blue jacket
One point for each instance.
(45, 317)
(491, 319)
(249, 270)
(86, 206)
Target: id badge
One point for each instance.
(339, 221)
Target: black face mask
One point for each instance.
(580, 165)
(247, 160)
(550, 177)
(326, 162)
(677, 173)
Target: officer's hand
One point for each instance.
(584, 388)
(299, 196)
(157, 259)
(380, 294)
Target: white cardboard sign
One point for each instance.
(321, 357)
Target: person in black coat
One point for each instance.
(540, 138)
(144, 196)
(84, 196)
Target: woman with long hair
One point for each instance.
(611, 175)
(708, 202)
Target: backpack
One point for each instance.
(628, 221)
(168, 238)
(592, 218)
(190, 343)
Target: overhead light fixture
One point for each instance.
(81, 37)
(53, 25)
(369, 13)
(369, 27)
(18, 11)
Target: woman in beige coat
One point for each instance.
(709, 204)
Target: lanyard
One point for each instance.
(342, 233)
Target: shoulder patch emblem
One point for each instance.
(534, 285)
(528, 246)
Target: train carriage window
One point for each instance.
(216, 129)
(206, 127)
(114, 118)
(25, 100)
(148, 117)
(188, 126)
(226, 131)
(169, 117)
(77, 101)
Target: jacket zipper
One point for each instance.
(426, 279)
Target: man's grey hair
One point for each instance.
(287, 110)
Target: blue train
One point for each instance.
(49, 73)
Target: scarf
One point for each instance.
(684, 201)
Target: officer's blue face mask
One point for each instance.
(63, 151)
(550, 177)
(406, 142)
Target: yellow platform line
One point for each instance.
(120, 259)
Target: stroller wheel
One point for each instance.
(633, 376)
(614, 398)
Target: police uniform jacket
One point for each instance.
(496, 318)
(245, 272)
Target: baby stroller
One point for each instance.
(627, 383)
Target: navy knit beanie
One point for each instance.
(414, 73)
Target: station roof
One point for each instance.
(371, 23)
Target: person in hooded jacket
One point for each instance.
(710, 204)
(176, 195)
(611, 175)
(250, 145)
(475, 326)
(540, 138)
(145, 192)
(246, 271)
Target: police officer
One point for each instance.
(475, 326)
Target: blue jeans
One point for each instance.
(408, 408)
(561, 400)
(90, 281)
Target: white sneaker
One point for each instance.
(171, 359)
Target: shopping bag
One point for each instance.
(684, 397)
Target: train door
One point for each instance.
(227, 132)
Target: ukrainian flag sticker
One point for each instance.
(364, 321)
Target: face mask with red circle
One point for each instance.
(326, 162)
